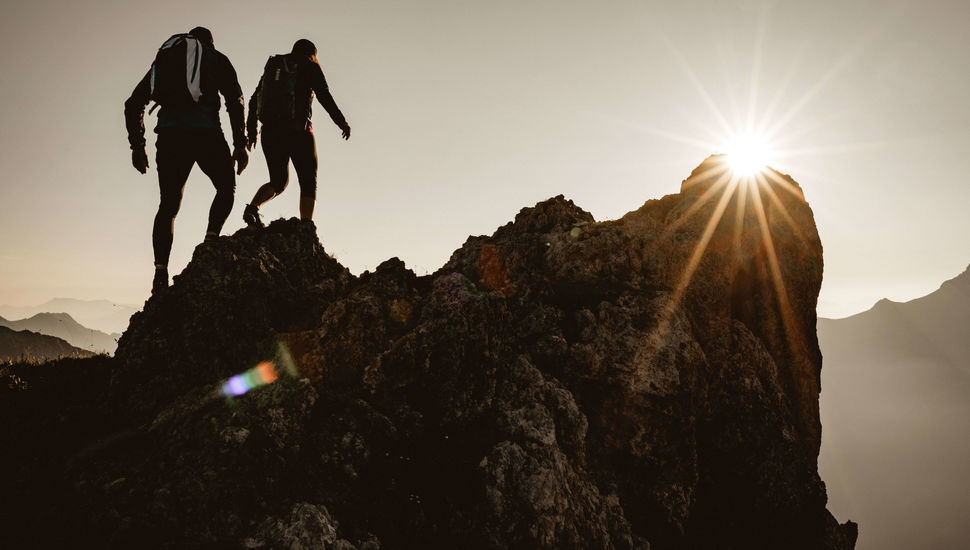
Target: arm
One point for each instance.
(235, 103)
(135, 112)
(135, 122)
(319, 84)
(252, 123)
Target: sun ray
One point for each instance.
(728, 73)
(789, 323)
(784, 184)
(782, 141)
(705, 145)
(721, 182)
(840, 64)
(756, 67)
(776, 98)
(739, 217)
(773, 197)
(685, 66)
(697, 122)
(663, 324)
(842, 148)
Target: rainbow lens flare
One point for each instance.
(260, 375)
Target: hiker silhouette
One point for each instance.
(283, 103)
(185, 81)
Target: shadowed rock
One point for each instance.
(648, 382)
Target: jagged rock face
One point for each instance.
(560, 384)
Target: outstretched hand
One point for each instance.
(346, 131)
(139, 159)
(241, 158)
(251, 141)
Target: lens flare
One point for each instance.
(260, 375)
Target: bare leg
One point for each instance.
(306, 207)
(263, 194)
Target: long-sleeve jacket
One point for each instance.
(218, 77)
(310, 81)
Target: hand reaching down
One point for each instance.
(241, 158)
(139, 159)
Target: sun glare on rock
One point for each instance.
(748, 154)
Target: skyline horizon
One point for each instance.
(135, 304)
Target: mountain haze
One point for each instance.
(102, 315)
(895, 408)
(23, 344)
(65, 327)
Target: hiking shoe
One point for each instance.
(251, 217)
(160, 282)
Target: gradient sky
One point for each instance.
(465, 111)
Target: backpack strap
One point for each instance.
(193, 60)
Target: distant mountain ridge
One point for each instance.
(62, 325)
(103, 315)
(895, 410)
(17, 345)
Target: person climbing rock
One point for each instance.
(185, 81)
(282, 102)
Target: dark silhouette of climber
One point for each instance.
(282, 102)
(189, 132)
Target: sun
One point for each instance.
(748, 153)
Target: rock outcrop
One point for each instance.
(648, 382)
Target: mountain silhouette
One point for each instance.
(103, 315)
(65, 327)
(647, 382)
(17, 345)
(896, 411)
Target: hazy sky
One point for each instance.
(463, 112)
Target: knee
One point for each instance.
(168, 208)
(308, 183)
(279, 185)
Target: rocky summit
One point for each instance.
(650, 382)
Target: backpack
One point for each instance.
(277, 97)
(176, 76)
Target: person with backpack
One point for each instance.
(185, 81)
(282, 102)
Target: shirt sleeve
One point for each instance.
(319, 84)
(135, 112)
(235, 102)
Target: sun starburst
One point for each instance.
(748, 153)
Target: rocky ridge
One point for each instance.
(648, 382)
